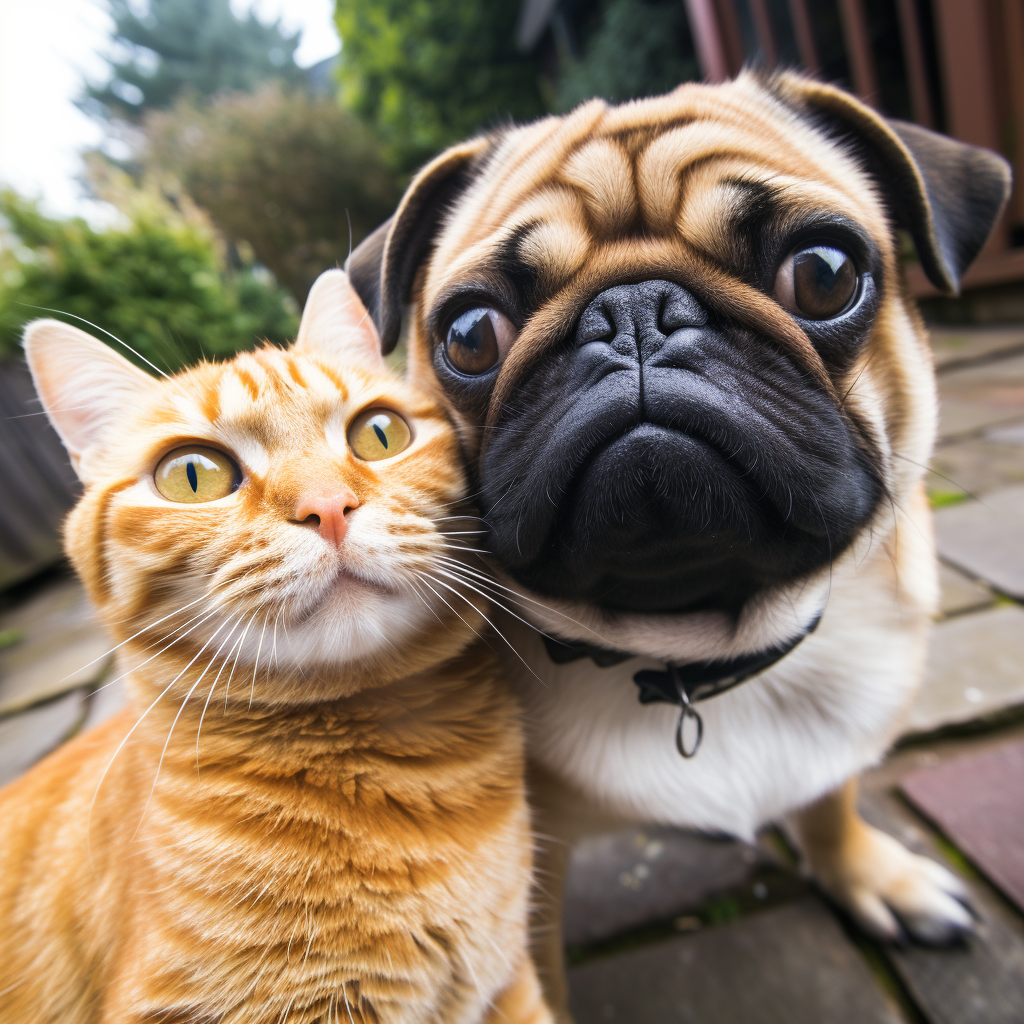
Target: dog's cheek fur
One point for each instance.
(717, 181)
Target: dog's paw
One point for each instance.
(894, 894)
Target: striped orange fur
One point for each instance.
(312, 809)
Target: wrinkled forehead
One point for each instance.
(690, 166)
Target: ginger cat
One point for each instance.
(312, 809)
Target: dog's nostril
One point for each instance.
(679, 309)
(596, 324)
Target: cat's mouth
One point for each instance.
(346, 581)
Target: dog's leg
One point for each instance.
(889, 891)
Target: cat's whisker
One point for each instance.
(515, 595)
(170, 732)
(476, 981)
(348, 1005)
(273, 648)
(487, 620)
(163, 650)
(256, 663)
(106, 654)
(492, 599)
(138, 722)
(216, 679)
(241, 640)
(426, 603)
(139, 355)
(441, 598)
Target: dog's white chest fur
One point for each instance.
(778, 741)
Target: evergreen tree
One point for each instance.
(428, 73)
(187, 46)
(636, 48)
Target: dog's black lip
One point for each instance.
(576, 480)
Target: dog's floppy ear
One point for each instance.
(946, 193)
(382, 267)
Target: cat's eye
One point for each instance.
(377, 434)
(478, 340)
(817, 282)
(195, 473)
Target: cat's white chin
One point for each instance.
(343, 592)
(354, 620)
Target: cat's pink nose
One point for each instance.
(327, 513)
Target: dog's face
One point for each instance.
(675, 336)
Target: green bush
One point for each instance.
(637, 48)
(158, 284)
(281, 170)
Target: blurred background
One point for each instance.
(178, 172)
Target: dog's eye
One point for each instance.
(196, 473)
(816, 283)
(478, 340)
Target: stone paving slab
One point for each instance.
(978, 802)
(978, 465)
(957, 345)
(30, 735)
(623, 880)
(789, 965)
(978, 982)
(986, 538)
(960, 593)
(975, 669)
(981, 396)
(1010, 434)
(62, 647)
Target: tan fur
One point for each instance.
(651, 186)
(654, 190)
(273, 830)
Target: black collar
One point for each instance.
(683, 685)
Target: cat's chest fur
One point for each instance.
(313, 858)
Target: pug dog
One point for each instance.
(698, 404)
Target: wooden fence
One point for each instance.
(956, 66)
(953, 65)
(37, 484)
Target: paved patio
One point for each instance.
(663, 926)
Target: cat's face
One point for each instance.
(294, 508)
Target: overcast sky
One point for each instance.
(47, 46)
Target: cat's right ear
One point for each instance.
(83, 384)
(336, 326)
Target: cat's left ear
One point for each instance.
(336, 326)
(84, 385)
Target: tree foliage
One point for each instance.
(280, 170)
(428, 73)
(156, 283)
(187, 46)
(636, 48)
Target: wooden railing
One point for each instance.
(958, 67)
(37, 484)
